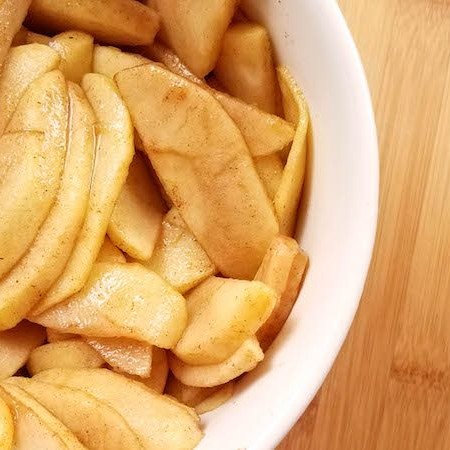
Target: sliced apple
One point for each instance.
(270, 170)
(264, 133)
(76, 49)
(178, 257)
(16, 346)
(6, 426)
(137, 217)
(122, 300)
(95, 424)
(124, 355)
(56, 336)
(245, 65)
(195, 28)
(282, 269)
(110, 253)
(37, 38)
(119, 22)
(34, 425)
(31, 278)
(188, 395)
(22, 66)
(222, 314)
(204, 165)
(12, 14)
(246, 358)
(114, 153)
(159, 422)
(70, 354)
(287, 198)
(216, 399)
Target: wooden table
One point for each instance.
(390, 386)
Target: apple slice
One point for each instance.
(159, 422)
(22, 66)
(222, 314)
(110, 253)
(124, 355)
(56, 336)
(71, 354)
(136, 220)
(37, 38)
(76, 51)
(216, 399)
(12, 14)
(119, 22)
(16, 346)
(246, 358)
(270, 170)
(188, 395)
(34, 425)
(6, 426)
(95, 424)
(194, 29)
(122, 300)
(114, 153)
(287, 198)
(178, 258)
(31, 278)
(204, 165)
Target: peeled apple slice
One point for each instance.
(6, 426)
(110, 253)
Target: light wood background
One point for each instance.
(390, 387)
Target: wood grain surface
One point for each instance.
(390, 386)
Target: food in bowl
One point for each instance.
(149, 194)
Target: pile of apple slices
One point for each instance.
(148, 196)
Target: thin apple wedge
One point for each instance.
(56, 336)
(216, 399)
(6, 426)
(39, 268)
(244, 359)
(94, 423)
(122, 300)
(114, 153)
(222, 314)
(137, 217)
(204, 165)
(159, 422)
(37, 38)
(287, 199)
(110, 253)
(118, 22)
(188, 395)
(16, 346)
(270, 170)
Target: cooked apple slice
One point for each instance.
(119, 22)
(122, 300)
(158, 421)
(136, 220)
(76, 51)
(56, 336)
(124, 355)
(22, 66)
(16, 346)
(110, 253)
(12, 14)
(296, 111)
(6, 426)
(178, 257)
(188, 395)
(114, 153)
(204, 165)
(95, 424)
(244, 359)
(282, 269)
(264, 133)
(270, 170)
(195, 28)
(216, 399)
(31, 278)
(34, 425)
(245, 65)
(110, 60)
(71, 354)
(222, 314)
(37, 38)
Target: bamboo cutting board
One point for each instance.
(390, 386)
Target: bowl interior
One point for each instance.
(337, 224)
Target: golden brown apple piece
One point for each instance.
(6, 426)
(110, 253)
(216, 399)
(194, 29)
(16, 346)
(114, 153)
(37, 38)
(38, 269)
(270, 170)
(159, 422)
(119, 22)
(222, 314)
(95, 424)
(204, 165)
(56, 336)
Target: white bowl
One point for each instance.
(337, 225)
